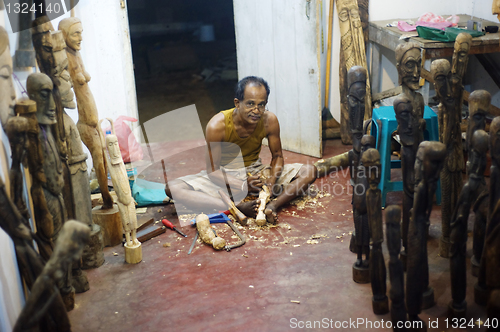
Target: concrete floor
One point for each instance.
(251, 288)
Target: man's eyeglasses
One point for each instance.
(252, 105)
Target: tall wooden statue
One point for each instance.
(458, 267)
(490, 260)
(371, 162)
(93, 253)
(39, 87)
(396, 272)
(87, 110)
(449, 88)
(430, 158)
(352, 54)
(125, 202)
(43, 43)
(408, 132)
(356, 78)
(479, 103)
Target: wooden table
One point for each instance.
(382, 35)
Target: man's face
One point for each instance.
(349, 13)
(8, 93)
(43, 47)
(409, 69)
(404, 117)
(45, 106)
(74, 38)
(442, 80)
(253, 105)
(356, 102)
(61, 71)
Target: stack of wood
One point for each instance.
(331, 129)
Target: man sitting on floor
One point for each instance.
(241, 130)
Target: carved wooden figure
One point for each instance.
(92, 255)
(356, 78)
(125, 202)
(449, 88)
(471, 189)
(430, 157)
(352, 54)
(7, 92)
(371, 162)
(44, 43)
(69, 247)
(30, 263)
(490, 261)
(39, 87)
(409, 66)
(407, 129)
(479, 103)
(87, 110)
(396, 271)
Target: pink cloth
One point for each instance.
(403, 26)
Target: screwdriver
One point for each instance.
(171, 226)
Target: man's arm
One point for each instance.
(215, 135)
(274, 140)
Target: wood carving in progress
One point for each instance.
(264, 196)
(121, 185)
(207, 234)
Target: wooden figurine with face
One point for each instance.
(87, 109)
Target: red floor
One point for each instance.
(251, 288)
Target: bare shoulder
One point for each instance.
(271, 122)
(216, 128)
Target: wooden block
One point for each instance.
(144, 222)
(150, 232)
(110, 223)
(133, 254)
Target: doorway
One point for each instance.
(184, 53)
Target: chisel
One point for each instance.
(168, 224)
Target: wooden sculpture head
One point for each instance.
(433, 159)
(115, 155)
(406, 123)
(476, 164)
(356, 82)
(42, 42)
(495, 9)
(461, 55)
(367, 142)
(72, 30)
(371, 161)
(409, 65)
(479, 103)
(60, 70)
(7, 92)
(495, 141)
(39, 88)
(441, 73)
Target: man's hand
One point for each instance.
(254, 184)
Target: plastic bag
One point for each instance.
(129, 147)
(433, 18)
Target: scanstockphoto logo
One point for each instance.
(22, 12)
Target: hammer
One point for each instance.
(242, 219)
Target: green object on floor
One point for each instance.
(449, 35)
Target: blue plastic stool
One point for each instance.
(383, 125)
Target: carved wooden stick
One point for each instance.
(264, 196)
(242, 219)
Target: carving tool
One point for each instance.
(168, 224)
(242, 219)
(194, 242)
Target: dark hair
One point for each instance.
(239, 92)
